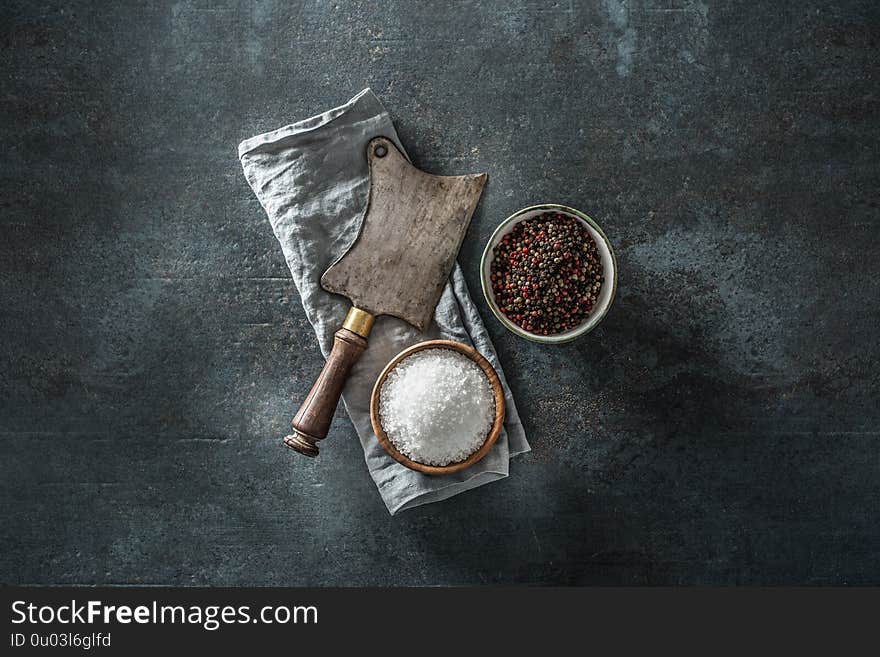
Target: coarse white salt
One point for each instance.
(437, 406)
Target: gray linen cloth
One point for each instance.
(312, 179)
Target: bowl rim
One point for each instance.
(497, 424)
(591, 322)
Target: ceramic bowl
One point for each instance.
(606, 254)
(491, 437)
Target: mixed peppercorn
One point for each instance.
(546, 274)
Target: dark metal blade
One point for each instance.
(409, 238)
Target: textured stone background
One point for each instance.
(720, 427)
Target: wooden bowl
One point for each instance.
(497, 391)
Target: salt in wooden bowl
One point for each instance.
(491, 437)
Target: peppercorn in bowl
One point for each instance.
(549, 273)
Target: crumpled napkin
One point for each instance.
(312, 179)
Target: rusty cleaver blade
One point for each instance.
(398, 265)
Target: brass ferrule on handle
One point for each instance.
(359, 321)
(312, 421)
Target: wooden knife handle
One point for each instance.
(312, 421)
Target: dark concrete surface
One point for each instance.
(720, 427)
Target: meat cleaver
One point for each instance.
(398, 265)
